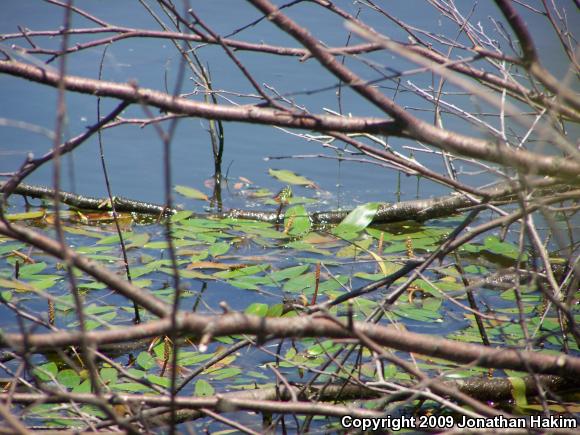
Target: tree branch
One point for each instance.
(405, 124)
(209, 327)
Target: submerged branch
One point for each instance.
(268, 399)
(122, 205)
(419, 210)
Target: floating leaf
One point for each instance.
(421, 233)
(131, 387)
(432, 304)
(9, 247)
(227, 361)
(92, 249)
(358, 219)
(218, 249)
(418, 314)
(138, 241)
(43, 282)
(242, 225)
(494, 245)
(257, 309)
(475, 269)
(300, 245)
(30, 269)
(27, 215)
(326, 347)
(45, 371)
(300, 283)
(158, 380)
(225, 340)
(425, 244)
(199, 256)
(68, 378)
(260, 193)
(204, 223)
(136, 373)
(289, 177)
(104, 319)
(245, 283)
(395, 247)
(17, 285)
(146, 361)
(358, 248)
(211, 265)
(83, 387)
(228, 372)
(519, 391)
(190, 192)
(203, 388)
(470, 247)
(258, 375)
(142, 283)
(162, 244)
(191, 358)
(321, 239)
(333, 283)
(297, 221)
(181, 215)
(96, 309)
(380, 262)
(305, 283)
(207, 237)
(109, 375)
(275, 310)
(377, 234)
(114, 239)
(190, 274)
(290, 272)
(369, 276)
(244, 271)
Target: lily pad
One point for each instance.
(190, 192)
(203, 389)
(289, 177)
(297, 221)
(358, 219)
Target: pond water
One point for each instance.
(134, 154)
(270, 265)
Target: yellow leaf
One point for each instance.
(17, 285)
(213, 265)
(27, 215)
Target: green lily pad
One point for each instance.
(358, 219)
(297, 221)
(289, 177)
(203, 388)
(190, 192)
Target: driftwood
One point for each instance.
(419, 210)
(122, 205)
(484, 389)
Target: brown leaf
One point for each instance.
(212, 265)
